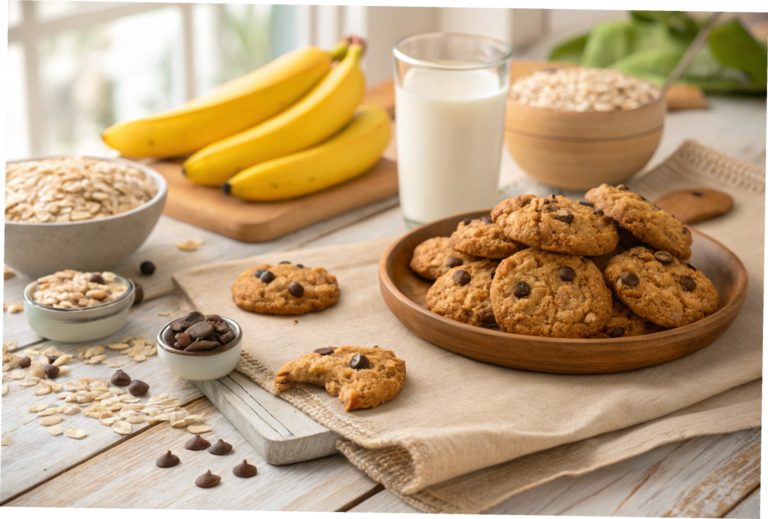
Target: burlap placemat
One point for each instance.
(456, 416)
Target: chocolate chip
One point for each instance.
(547, 201)
(191, 318)
(598, 212)
(687, 282)
(454, 262)
(616, 332)
(567, 274)
(588, 204)
(685, 230)
(147, 268)
(258, 272)
(24, 362)
(359, 362)
(200, 329)
(198, 443)
(207, 480)
(284, 263)
(296, 289)
(493, 274)
(184, 339)
(221, 327)
(697, 194)
(138, 293)
(554, 196)
(565, 218)
(663, 256)
(299, 265)
(96, 278)
(167, 460)
(690, 265)
(267, 277)
(486, 317)
(630, 279)
(245, 470)
(486, 220)
(52, 371)
(324, 351)
(466, 221)
(227, 337)
(521, 289)
(220, 448)
(120, 378)
(52, 358)
(138, 388)
(168, 336)
(461, 277)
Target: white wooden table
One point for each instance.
(712, 476)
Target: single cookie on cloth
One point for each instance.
(622, 323)
(285, 289)
(556, 224)
(660, 288)
(464, 294)
(542, 293)
(481, 237)
(361, 377)
(434, 257)
(644, 220)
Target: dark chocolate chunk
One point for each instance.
(359, 362)
(120, 378)
(296, 289)
(226, 338)
(487, 317)
(198, 443)
(245, 470)
(630, 279)
(325, 351)
(567, 274)
(147, 268)
(565, 218)
(52, 371)
(167, 460)
(585, 202)
(96, 278)
(258, 272)
(207, 480)
(663, 256)
(24, 362)
(616, 332)
(454, 262)
(220, 448)
(267, 277)
(687, 282)
(521, 289)
(200, 329)
(138, 388)
(462, 277)
(191, 318)
(221, 327)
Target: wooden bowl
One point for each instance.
(580, 150)
(405, 294)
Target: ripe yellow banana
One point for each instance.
(232, 108)
(352, 151)
(315, 117)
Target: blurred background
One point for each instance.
(75, 68)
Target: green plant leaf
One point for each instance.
(734, 47)
(608, 42)
(569, 51)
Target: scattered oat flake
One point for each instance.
(7, 273)
(122, 427)
(16, 308)
(55, 430)
(5, 390)
(201, 428)
(42, 389)
(190, 245)
(68, 410)
(38, 407)
(117, 346)
(76, 433)
(165, 314)
(6, 441)
(50, 420)
(48, 412)
(15, 375)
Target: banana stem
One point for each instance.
(339, 51)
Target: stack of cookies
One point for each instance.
(610, 266)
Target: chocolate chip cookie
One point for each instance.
(660, 288)
(481, 237)
(622, 323)
(285, 289)
(556, 224)
(434, 257)
(541, 293)
(464, 294)
(647, 222)
(361, 377)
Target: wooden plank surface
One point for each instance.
(126, 477)
(749, 508)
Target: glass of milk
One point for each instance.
(450, 98)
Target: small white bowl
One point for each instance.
(201, 365)
(79, 324)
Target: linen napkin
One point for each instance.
(456, 416)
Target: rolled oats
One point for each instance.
(195, 429)
(6, 441)
(73, 189)
(122, 427)
(190, 245)
(7, 273)
(75, 433)
(50, 420)
(73, 289)
(55, 430)
(582, 89)
(16, 308)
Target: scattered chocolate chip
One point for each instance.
(245, 470)
(168, 336)
(198, 443)
(284, 263)
(96, 278)
(663, 256)
(227, 337)
(461, 277)
(487, 317)
(466, 221)
(521, 289)
(24, 362)
(200, 329)
(52, 358)
(454, 262)
(630, 279)
(588, 204)
(120, 378)
(324, 351)
(267, 277)
(220, 448)
(687, 282)
(359, 362)
(258, 272)
(567, 274)
(138, 293)
(52, 371)
(486, 220)
(299, 265)
(565, 218)
(147, 268)
(138, 388)
(295, 289)
(167, 460)
(207, 480)
(616, 332)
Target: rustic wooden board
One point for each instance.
(749, 508)
(211, 209)
(126, 477)
(279, 432)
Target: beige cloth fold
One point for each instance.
(455, 415)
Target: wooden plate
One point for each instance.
(405, 294)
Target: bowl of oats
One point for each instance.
(74, 306)
(578, 127)
(80, 213)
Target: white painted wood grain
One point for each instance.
(126, 477)
(749, 508)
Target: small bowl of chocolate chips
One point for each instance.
(200, 347)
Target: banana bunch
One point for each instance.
(288, 129)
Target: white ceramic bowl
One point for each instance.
(202, 365)
(78, 324)
(37, 249)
